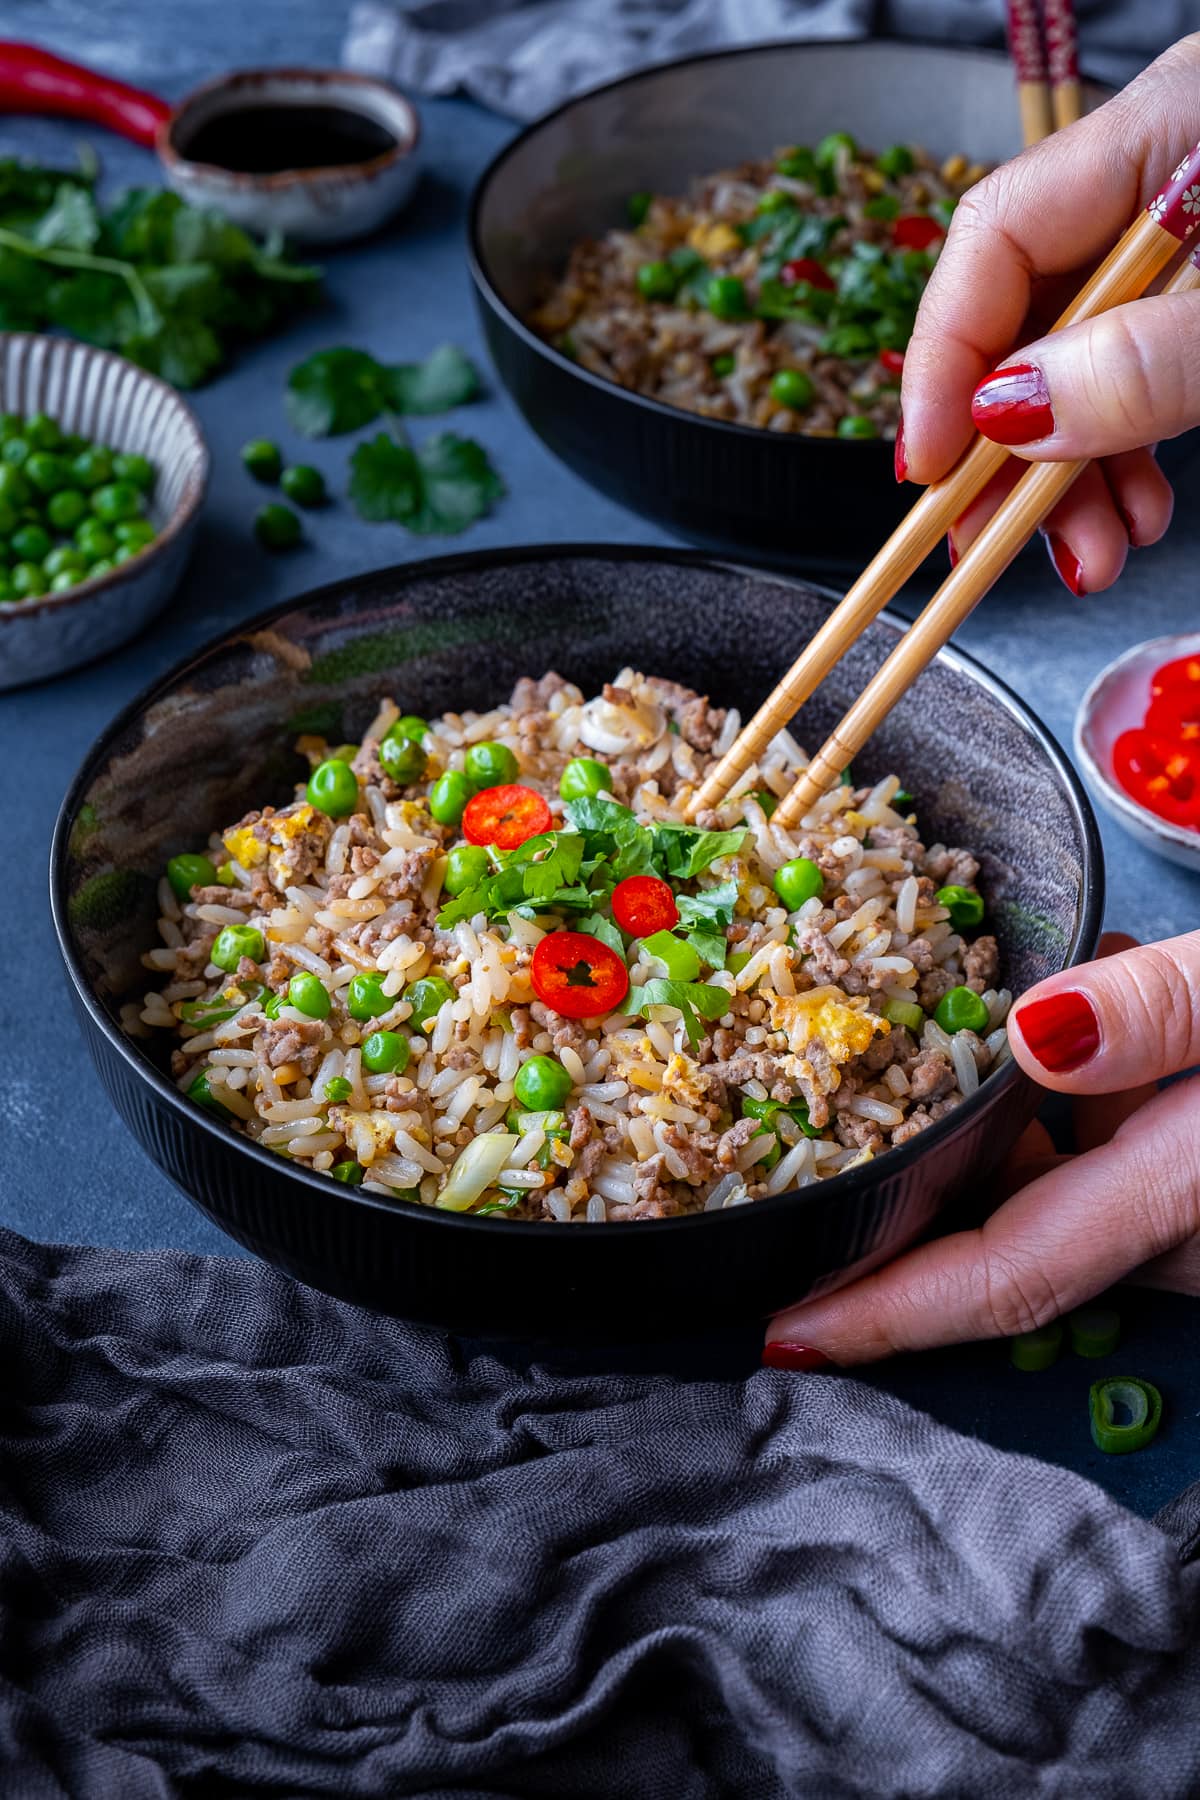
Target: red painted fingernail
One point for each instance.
(1066, 562)
(1013, 405)
(951, 552)
(795, 1356)
(1062, 1031)
(901, 459)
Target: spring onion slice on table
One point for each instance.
(1125, 1414)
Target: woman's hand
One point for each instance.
(1129, 1202)
(1022, 243)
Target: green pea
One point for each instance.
(6, 591)
(184, 872)
(17, 451)
(410, 725)
(103, 566)
(365, 998)
(542, 1084)
(30, 543)
(774, 200)
(798, 164)
(11, 425)
(116, 500)
(964, 905)
(834, 148)
(95, 539)
(136, 532)
(262, 459)
(584, 777)
(798, 881)
(303, 484)
(448, 796)
(792, 388)
(882, 206)
(73, 442)
(92, 467)
(723, 365)
(138, 470)
(308, 995)
(47, 472)
(961, 1010)
(124, 553)
(657, 281)
(637, 206)
(681, 961)
(14, 489)
(466, 867)
(349, 1172)
(856, 426)
(338, 1089)
(402, 757)
(896, 161)
(43, 431)
(725, 297)
(66, 508)
(28, 581)
(201, 1092)
(8, 518)
(63, 580)
(490, 765)
(235, 942)
(276, 527)
(427, 997)
(386, 1053)
(333, 789)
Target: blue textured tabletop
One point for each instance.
(400, 295)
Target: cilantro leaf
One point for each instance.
(445, 379)
(334, 391)
(686, 851)
(711, 906)
(592, 814)
(457, 485)
(597, 926)
(184, 352)
(70, 222)
(383, 480)
(693, 999)
(710, 947)
(557, 869)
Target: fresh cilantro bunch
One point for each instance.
(170, 286)
(439, 486)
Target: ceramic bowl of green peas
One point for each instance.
(102, 472)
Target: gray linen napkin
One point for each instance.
(523, 57)
(254, 1542)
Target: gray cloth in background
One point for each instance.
(523, 57)
(257, 1543)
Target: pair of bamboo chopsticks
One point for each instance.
(1042, 44)
(1141, 255)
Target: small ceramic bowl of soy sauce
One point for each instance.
(317, 154)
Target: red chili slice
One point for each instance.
(892, 361)
(577, 975)
(915, 231)
(1160, 775)
(642, 905)
(806, 268)
(506, 816)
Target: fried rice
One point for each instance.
(831, 267)
(802, 1057)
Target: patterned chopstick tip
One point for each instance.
(1025, 40)
(1176, 207)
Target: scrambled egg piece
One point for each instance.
(841, 1022)
(685, 1081)
(245, 848)
(246, 845)
(714, 240)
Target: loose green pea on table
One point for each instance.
(70, 510)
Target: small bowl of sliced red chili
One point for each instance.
(1137, 739)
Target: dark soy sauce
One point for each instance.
(264, 140)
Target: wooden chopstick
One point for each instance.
(1028, 53)
(1062, 61)
(1035, 495)
(1135, 261)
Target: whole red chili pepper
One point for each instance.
(34, 81)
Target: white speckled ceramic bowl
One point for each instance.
(103, 397)
(1116, 702)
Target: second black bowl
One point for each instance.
(216, 736)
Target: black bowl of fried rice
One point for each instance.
(784, 1101)
(697, 282)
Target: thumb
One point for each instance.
(1114, 1024)
(1126, 378)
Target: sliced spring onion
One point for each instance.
(906, 1013)
(1125, 1413)
(1036, 1350)
(1095, 1330)
(476, 1169)
(207, 1012)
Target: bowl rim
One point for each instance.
(469, 562)
(489, 292)
(195, 485)
(1122, 805)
